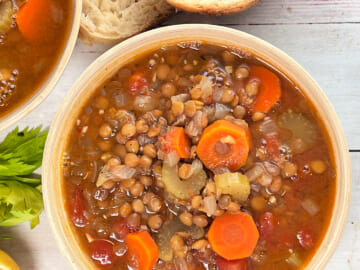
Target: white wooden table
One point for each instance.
(323, 36)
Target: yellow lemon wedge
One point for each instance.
(7, 263)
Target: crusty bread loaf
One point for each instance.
(214, 7)
(110, 21)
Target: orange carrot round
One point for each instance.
(269, 91)
(224, 144)
(177, 140)
(34, 19)
(142, 249)
(233, 236)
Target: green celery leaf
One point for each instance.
(14, 167)
(33, 180)
(29, 152)
(21, 152)
(16, 138)
(19, 203)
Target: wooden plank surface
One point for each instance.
(322, 35)
(284, 12)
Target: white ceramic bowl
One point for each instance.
(30, 104)
(106, 65)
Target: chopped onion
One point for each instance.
(271, 168)
(217, 95)
(123, 172)
(180, 121)
(310, 206)
(254, 173)
(265, 179)
(268, 126)
(119, 172)
(144, 139)
(221, 170)
(210, 112)
(221, 110)
(194, 127)
(145, 103)
(172, 158)
(210, 205)
(294, 260)
(196, 166)
(206, 85)
(121, 100)
(181, 97)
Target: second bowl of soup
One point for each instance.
(196, 147)
(36, 41)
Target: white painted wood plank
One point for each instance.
(36, 249)
(284, 12)
(347, 255)
(329, 52)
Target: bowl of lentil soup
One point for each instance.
(36, 40)
(196, 147)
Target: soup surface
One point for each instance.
(198, 157)
(32, 36)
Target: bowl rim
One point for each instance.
(49, 84)
(63, 233)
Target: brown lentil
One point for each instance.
(186, 218)
(185, 171)
(317, 166)
(168, 89)
(145, 162)
(105, 130)
(141, 126)
(241, 73)
(134, 220)
(200, 220)
(138, 206)
(162, 71)
(131, 160)
(137, 189)
(125, 210)
(132, 146)
(155, 204)
(150, 150)
(154, 222)
(146, 180)
(177, 108)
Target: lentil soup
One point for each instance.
(199, 157)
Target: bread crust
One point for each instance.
(89, 36)
(214, 10)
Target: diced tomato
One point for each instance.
(305, 238)
(267, 222)
(120, 229)
(136, 82)
(78, 211)
(102, 251)
(224, 264)
(273, 147)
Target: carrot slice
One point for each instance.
(224, 144)
(177, 140)
(269, 91)
(35, 18)
(142, 250)
(233, 236)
